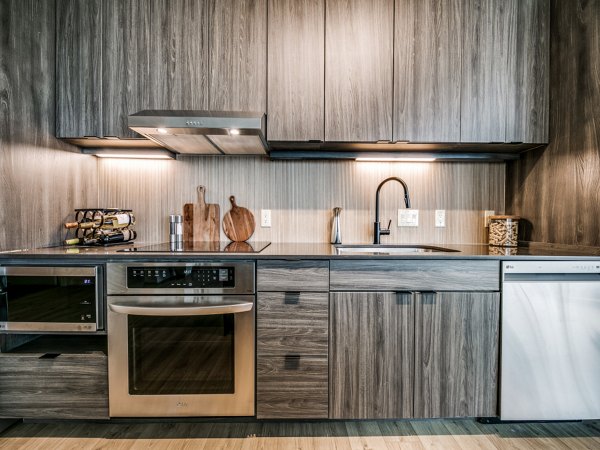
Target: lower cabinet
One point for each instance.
(292, 386)
(371, 355)
(46, 386)
(456, 354)
(422, 355)
(292, 357)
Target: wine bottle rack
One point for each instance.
(94, 235)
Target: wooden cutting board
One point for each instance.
(238, 222)
(201, 220)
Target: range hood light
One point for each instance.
(234, 131)
(162, 130)
(397, 159)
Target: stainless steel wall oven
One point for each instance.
(181, 339)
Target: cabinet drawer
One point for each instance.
(292, 276)
(66, 387)
(291, 387)
(294, 322)
(411, 275)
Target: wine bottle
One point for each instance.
(117, 236)
(84, 241)
(120, 220)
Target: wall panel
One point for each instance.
(301, 195)
(40, 183)
(556, 190)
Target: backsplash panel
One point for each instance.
(302, 194)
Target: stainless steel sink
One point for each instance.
(389, 249)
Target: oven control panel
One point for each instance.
(169, 277)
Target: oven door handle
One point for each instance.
(183, 310)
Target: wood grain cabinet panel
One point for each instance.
(292, 387)
(66, 387)
(528, 103)
(415, 275)
(292, 322)
(456, 354)
(78, 68)
(427, 70)
(486, 72)
(371, 355)
(296, 70)
(289, 276)
(358, 70)
(154, 56)
(238, 55)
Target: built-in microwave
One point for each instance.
(41, 299)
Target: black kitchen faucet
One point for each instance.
(377, 230)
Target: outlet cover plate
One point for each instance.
(265, 218)
(440, 218)
(408, 217)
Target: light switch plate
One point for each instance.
(486, 217)
(265, 218)
(408, 217)
(440, 218)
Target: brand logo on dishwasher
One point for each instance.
(182, 404)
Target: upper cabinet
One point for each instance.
(504, 94)
(485, 70)
(238, 55)
(423, 71)
(78, 68)
(359, 41)
(528, 103)
(156, 54)
(296, 69)
(427, 72)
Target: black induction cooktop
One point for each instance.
(201, 247)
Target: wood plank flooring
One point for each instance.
(376, 435)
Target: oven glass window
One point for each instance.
(59, 299)
(181, 355)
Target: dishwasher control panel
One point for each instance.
(551, 267)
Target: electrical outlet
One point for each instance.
(265, 218)
(408, 217)
(486, 217)
(440, 218)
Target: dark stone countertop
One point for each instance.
(301, 251)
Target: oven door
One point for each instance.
(181, 356)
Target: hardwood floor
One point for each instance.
(385, 435)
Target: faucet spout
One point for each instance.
(378, 231)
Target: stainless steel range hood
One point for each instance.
(203, 132)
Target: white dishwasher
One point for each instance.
(550, 363)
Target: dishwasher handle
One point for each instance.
(181, 310)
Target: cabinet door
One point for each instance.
(358, 70)
(296, 70)
(154, 56)
(238, 55)
(427, 70)
(456, 354)
(528, 107)
(371, 355)
(78, 67)
(70, 386)
(486, 72)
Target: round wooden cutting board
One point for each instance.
(238, 222)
